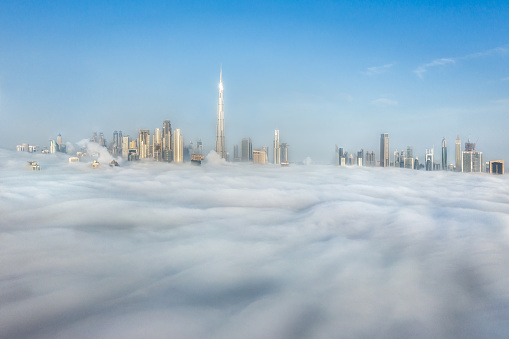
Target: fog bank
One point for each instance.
(245, 251)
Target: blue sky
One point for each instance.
(323, 73)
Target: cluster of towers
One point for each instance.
(468, 160)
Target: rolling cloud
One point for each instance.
(245, 251)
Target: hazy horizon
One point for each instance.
(322, 74)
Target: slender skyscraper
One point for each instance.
(178, 144)
(384, 150)
(167, 142)
(277, 154)
(157, 145)
(247, 149)
(444, 155)
(220, 147)
(458, 155)
(144, 143)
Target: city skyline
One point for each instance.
(341, 72)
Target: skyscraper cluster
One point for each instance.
(469, 160)
(167, 145)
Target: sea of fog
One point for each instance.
(160, 250)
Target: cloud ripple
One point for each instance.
(247, 251)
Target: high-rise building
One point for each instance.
(53, 146)
(167, 142)
(370, 159)
(102, 141)
(199, 146)
(59, 142)
(458, 155)
(277, 154)
(429, 159)
(444, 155)
(94, 137)
(259, 157)
(408, 161)
(178, 143)
(236, 156)
(284, 153)
(360, 157)
(220, 144)
(384, 150)
(125, 146)
(471, 159)
(266, 150)
(496, 167)
(157, 145)
(247, 149)
(144, 143)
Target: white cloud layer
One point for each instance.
(244, 251)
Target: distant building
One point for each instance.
(284, 153)
(444, 154)
(496, 167)
(59, 142)
(157, 145)
(95, 164)
(247, 149)
(144, 143)
(429, 159)
(53, 147)
(74, 159)
(458, 154)
(266, 150)
(384, 150)
(125, 146)
(178, 143)
(370, 159)
(167, 142)
(220, 141)
(360, 157)
(277, 154)
(259, 157)
(409, 163)
(33, 165)
(471, 159)
(236, 156)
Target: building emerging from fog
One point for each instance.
(259, 157)
(220, 143)
(370, 159)
(167, 141)
(429, 159)
(471, 159)
(157, 145)
(384, 150)
(144, 143)
(247, 149)
(444, 155)
(178, 143)
(284, 153)
(458, 154)
(496, 167)
(277, 154)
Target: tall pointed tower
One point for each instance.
(220, 148)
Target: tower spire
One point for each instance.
(220, 144)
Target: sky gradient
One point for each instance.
(323, 73)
